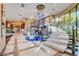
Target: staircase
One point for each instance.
(58, 39)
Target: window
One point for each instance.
(78, 20)
(72, 18)
(67, 22)
(62, 22)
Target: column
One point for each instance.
(2, 29)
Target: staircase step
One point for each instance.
(76, 49)
(59, 37)
(76, 45)
(56, 46)
(69, 51)
(70, 44)
(59, 41)
(69, 47)
(50, 51)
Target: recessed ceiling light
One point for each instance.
(54, 4)
(22, 5)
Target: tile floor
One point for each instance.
(19, 46)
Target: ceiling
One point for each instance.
(29, 10)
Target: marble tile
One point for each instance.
(25, 45)
(65, 54)
(9, 49)
(49, 50)
(33, 52)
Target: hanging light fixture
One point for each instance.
(22, 5)
(40, 7)
(21, 9)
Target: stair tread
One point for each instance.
(57, 46)
(64, 42)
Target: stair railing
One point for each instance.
(73, 41)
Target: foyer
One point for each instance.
(19, 21)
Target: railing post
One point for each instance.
(73, 42)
